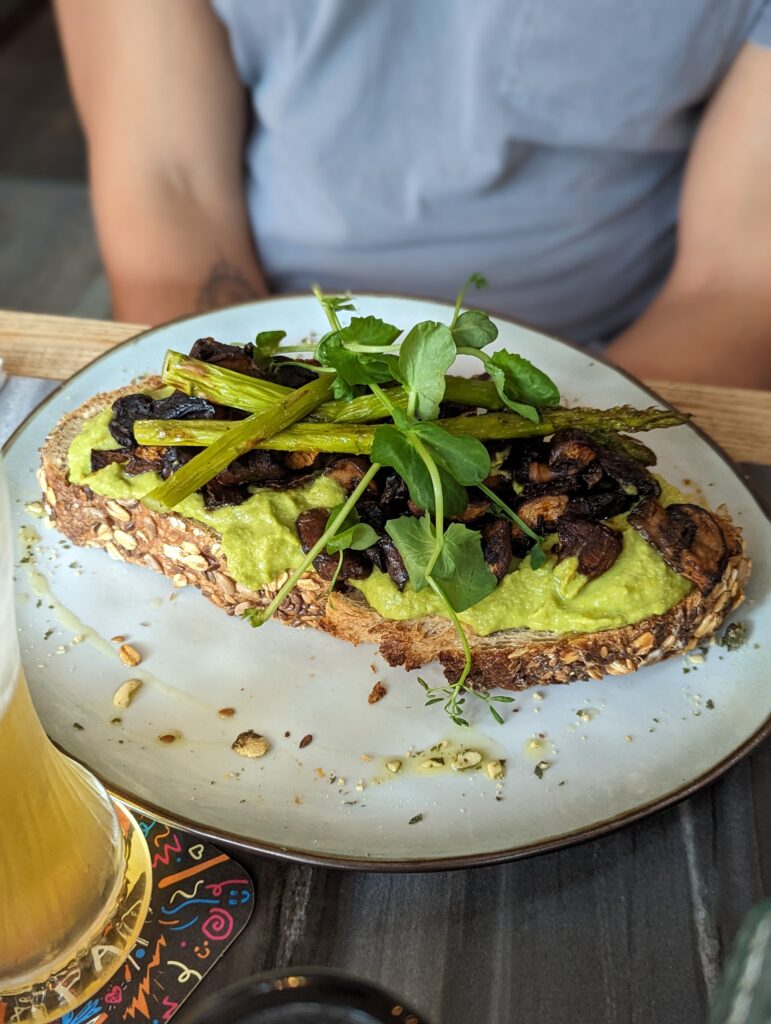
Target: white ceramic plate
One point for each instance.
(641, 741)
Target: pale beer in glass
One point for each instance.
(74, 866)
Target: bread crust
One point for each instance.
(191, 554)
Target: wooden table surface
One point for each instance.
(634, 926)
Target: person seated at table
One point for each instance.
(606, 166)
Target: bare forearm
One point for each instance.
(711, 336)
(165, 126)
(169, 295)
(168, 253)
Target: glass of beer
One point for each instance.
(75, 874)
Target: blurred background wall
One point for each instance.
(49, 260)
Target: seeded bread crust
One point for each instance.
(514, 659)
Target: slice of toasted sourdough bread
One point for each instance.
(190, 553)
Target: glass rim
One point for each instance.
(326, 986)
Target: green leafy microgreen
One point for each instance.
(426, 354)
(350, 533)
(525, 382)
(352, 368)
(369, 332)
(452, 696)
(460, 569)
(537, 556)
(396, 447)
(356, 537)
(465, 459)
(359, 352)
(522, 387)
(498, 377)
(436, 466)
(267, 342)
(332, 305)
(474, 329)
(415, 539)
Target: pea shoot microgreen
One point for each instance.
(436, 467)
(351, 534)
(267, 342)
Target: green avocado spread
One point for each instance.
(259, 541)
(258, 537)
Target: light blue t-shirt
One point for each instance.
(399, 145)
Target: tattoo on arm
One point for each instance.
(225, 286)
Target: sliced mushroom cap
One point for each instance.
(375, 555)
(372, 514)
(310, 526)
(600, 504)
(101, 458)
(219, 495)
(286, 372)
(231, 357)
(689, 539)
(394, 490)
(595, 545)
(522, 453)
(393, 562)
(302, 460)
(348, 470)
(255, 467)
(520, 542)
(571, 451)
(496, 546)
(175, 458)
(539, 473)
(130, 408)
(592, 475)
(557, 485)
(293, 480)
(476, 508)
(497, 482)
(629, 473)
(543, 512)
(141, 459)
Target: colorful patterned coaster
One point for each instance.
(201, 902)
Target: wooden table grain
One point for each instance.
(631, 927)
